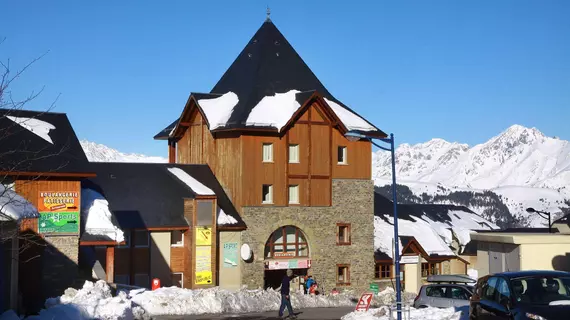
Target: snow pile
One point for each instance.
(177, 301)
(350, 120)
(224, 219)
(38, 127)
(274, 111)
(219, 110)
(196, 186)
(415, 314)
(13, 206)
(93, 301)
(98, 217)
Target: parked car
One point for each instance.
(445, 291)
(536, 295)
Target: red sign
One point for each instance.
(155, 284)
(364, 302)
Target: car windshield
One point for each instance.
(540, 289)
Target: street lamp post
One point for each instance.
(540, 213)
(355, 136)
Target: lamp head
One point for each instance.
(530, 210)
(353, 136)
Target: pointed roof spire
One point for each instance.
(268, 14)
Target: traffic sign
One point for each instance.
(364, 302)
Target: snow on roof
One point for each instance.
(15, 207)
(274, 111)
(98, 218)
(196, 186)
(224, 219)
(421, 230)
(219, 110)
(38, 127)
(434, 236)
(350, 120)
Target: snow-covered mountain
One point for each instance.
(521, 165)
(96, 152)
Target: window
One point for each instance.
(177, 238)
(342, 233)
(343, 274)
(429, 269)
(293, 153)
(127, 235)
(268, 152)
(490, 289)
(141, 280)
(178, 279)
(383, 271)
(141, 238)
(503, 292)
(436, 291)
(267, 193)
(459, 293)
(122, 279)
(294, 194)
(287, 242)
(341, 154)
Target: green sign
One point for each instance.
(230, 255)
(374, 287)
(58, 222)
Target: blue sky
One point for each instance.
(457, 70)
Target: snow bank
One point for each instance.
(350, 120)
(93, 301)
(224, 219)
(38, 127)
(14, 206)
(415, 314)
(177, 301)
(196, 186)
(274, 111)
(98, 217)
(218, 110)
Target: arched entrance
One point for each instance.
(286, 248)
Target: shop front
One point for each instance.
(286, 248)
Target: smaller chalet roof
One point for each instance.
(39, 142)
(433, 226)
(260, 80)
(151, 195)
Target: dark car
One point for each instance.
(536, 295)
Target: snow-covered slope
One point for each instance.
(521, 165)
(96, 152)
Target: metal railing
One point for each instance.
(405, 312)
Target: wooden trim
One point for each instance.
(310, 159)
(185, 124)
(287, 169)
(224, 228)
(331, 163)
(49, 174)
(205, 197)
(317, 123)
(346, 282)
(338, 242)
(164, 228)
(171, 151)
(416, 247)
(110, 264)
(100, 243)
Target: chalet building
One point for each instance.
(424, 251)
(176, 219)
(274, 137)
(42, 161)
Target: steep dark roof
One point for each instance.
(24, 151)
(147, 195)
(267, 65)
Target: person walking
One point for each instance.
(309, 283)
(286, 296)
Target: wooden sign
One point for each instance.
(364, 302)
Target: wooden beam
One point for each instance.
(48, 174)
(110, 264)
(100, 243)
(171, 151)
(318, 123)
(165, 228)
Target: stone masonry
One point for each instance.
(60, 264)
(352, 202)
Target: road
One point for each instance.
(302, 314)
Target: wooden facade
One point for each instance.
(236, 157)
